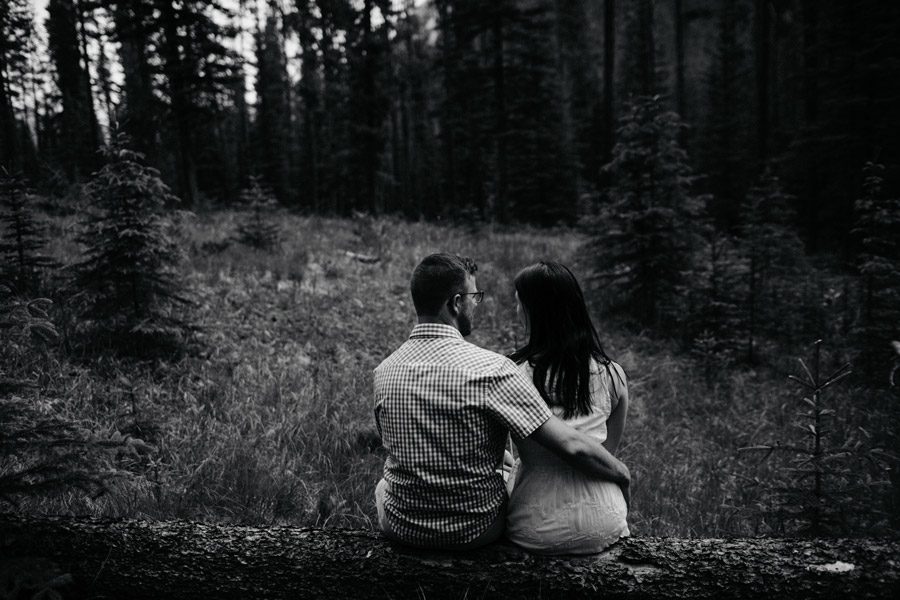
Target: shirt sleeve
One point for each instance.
(514, 400)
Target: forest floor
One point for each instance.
(271, 421)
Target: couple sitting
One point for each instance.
(445, 408)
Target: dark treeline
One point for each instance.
(505, 110)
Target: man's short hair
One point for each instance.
(436, 279)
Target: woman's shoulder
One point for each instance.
(610, 367)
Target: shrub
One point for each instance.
(824, 474)
(877, 229)
(23, 237)
(255, 229)
(40, 452)
(126, 292)
(25, 328)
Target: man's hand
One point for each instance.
(626, 492)
(581, 451)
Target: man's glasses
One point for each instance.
(476, 296)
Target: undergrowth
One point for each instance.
(270, 419)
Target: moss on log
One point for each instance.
(81, 558)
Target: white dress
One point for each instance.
(553, 508)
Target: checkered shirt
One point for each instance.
(444, 408)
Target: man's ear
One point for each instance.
(453, 304)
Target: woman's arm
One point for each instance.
(615, 425)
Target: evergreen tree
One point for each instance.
(639, 76)
(715, 323)
(23, 238)
(776, 264)
(877, 229)
(542, 173)
(15, 31)
(80, 129)
(332, 21)
(310, 101)
(413, 148)
(647, 233)
(273, 113)
(256, 229)
(368, 55)
(125, 287)
(723, 150)
(199, 70)
(139, 110)
(509, 144)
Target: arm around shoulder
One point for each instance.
(581, 451)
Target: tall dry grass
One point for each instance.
(271, 421)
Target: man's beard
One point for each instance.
(465, 324)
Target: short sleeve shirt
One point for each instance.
(444, 408)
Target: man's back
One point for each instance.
(443, 408)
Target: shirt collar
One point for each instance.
(435, 330)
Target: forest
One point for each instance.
(203, 201)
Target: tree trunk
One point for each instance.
(647, 48)
(679, 60)
(500, 203)
(78, 121)
(10, 157)
(761, 9)
(177, 559)
(609, 69)
(811, 50)
(139, 110)
(178, 72)
(448, 60)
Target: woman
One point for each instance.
(553, 508)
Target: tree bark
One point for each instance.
(177, 559)
(609, 71)
(763, 42)
(679, 60)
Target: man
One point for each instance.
(444, 408)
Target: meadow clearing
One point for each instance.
(269, 420)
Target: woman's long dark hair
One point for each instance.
(563, 339)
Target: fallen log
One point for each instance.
(84, 558)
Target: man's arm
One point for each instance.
(581, 451)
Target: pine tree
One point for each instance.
(542, 174)
(139, 110)
(647, 233)
(509, 147)
(814, 488)
(333, 20)
(368, 61)
(775, 262)
(125, 287)
(199, 68)
(715, 323)
(79, 122)
(15, 31)
(256, 229)
(273, 114)
(877, 229)
(724, 147)
(639, 78)
(23, 237)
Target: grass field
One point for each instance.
(271, 422)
